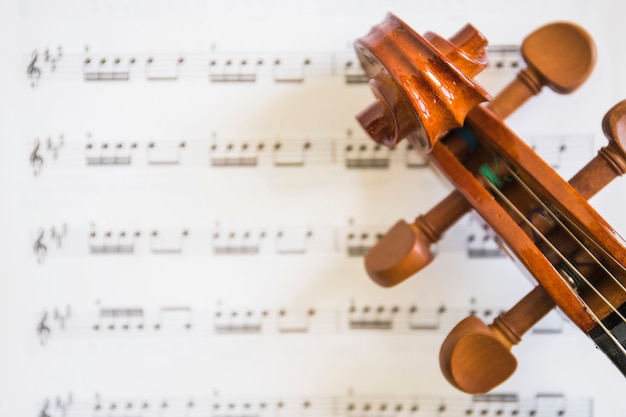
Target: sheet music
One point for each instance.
(187, 200)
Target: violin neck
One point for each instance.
(617, 329)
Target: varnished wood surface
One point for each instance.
(525, 251)
(409, 72)
(548, 52)
(476, 357)
(559, 55)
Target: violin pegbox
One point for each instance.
(423, 84)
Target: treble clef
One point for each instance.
(35, 159)
(43, 331)
(40, 248)
(33, 71)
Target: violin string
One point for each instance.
(565, 260)
(555, 218)
(557, 251)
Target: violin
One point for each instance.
(425, 93)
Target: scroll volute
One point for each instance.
(409, 73)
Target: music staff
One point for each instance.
(215, 66)
(352, 240)
(351, 153)
(348, 405)
(136, 321)
(503, 57)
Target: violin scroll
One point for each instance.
(549, 53)
(409, 72)
(545, 223)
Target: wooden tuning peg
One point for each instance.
(475, 357)
(405, 248)
(559, 55)
(611, 159)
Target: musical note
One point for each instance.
(481, 244)
(555, 404)
(174, 317)
(104, 69)
(290, 242)
(414, 159)
(231, 155)
(108, 242)
(236, 323)
(33, 72)
(109, 154)
(237, 243)
(368, 318)
(290, 154)
(294, 73)
(233, 71)
(110, 318)
(504, 57)
(165, 68)
(367, 156)
(496, 404)
(353, 73)
(35, 158)
(425, 320)
(167, 242)
(164, 154)
(288, 323)
(360, 241)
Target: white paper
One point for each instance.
(187, 198)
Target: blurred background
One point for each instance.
(187, 199)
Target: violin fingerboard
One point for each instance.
(617, 328)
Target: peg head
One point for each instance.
(401, 252)
(561, 54)
(475, 358)
(614, 124)
(409, 72)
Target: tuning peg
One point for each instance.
(611, 159)
(405, 249)
(475, 357)
(559, 55)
